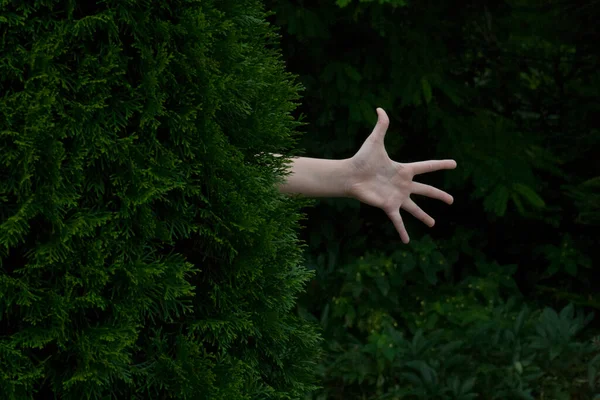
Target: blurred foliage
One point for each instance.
(399, 326)
(497, 301)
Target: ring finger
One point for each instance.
(430, 191)
(418, 213)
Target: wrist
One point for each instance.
(348, 177)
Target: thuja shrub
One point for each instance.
(145, 250)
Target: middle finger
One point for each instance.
(418, 213)
(430, 191)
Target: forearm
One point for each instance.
(315, 177)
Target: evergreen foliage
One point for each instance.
(497, 300)
(144, 249)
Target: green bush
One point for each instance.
(145, 250)
(399, 327)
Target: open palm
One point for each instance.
(387, 184)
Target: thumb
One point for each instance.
(383, 122)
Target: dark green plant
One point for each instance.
(392, 334)
(509, 89)
(145, 251)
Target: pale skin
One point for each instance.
(371, 177)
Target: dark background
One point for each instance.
(510, 89)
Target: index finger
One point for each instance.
(423, 167)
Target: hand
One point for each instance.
(381, 182)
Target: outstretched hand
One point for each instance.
(381, 182)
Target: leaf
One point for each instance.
(567, 312)
(357, 289)
(430, 275)
(520, 319)
(343, 3)
(496, 202)
(451, 347)
(389, 353)
(409, 93)
(355, 112)
(431, 321)
(455, 385)
(518, 367)
(342, 85)
(328, 72)
(594, 182)
(552, 269)
(407, 262)
(412, 378)
(427, 373)
(383, 284)
(325, 316)
(380, 381)
(571, 268)
(592, 376)
(529, 194)
(352, 73)
(555, 352)
(467, 385)
(518, 203)
(368, 112)
(350, 316)
(451, 91)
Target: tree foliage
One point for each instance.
(144, 249)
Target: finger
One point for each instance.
(399, 224)
(419, 214)
(383, 122)
(423, 167)
(430, 191)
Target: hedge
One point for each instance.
(145, 250)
